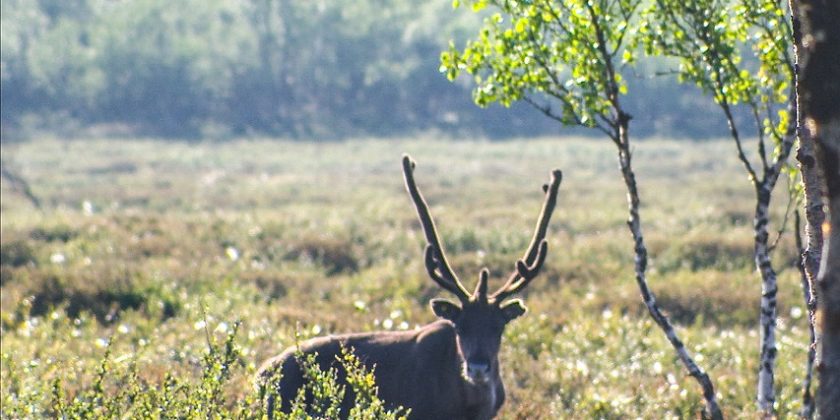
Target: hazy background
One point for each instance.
(154, 249)
(295, 69)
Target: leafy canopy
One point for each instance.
(738, 53)
(551, 54)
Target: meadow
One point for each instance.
(147, 256)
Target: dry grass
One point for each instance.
(139, 235)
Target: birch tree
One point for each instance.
(820, 98)
(566, 59)
(812, 187)
(707, 38)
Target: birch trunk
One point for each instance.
(812, 182)
(635, 225)
(814, 214)
(769, 287)
(820, 87)
(828, 367)
(808, 406)
(766, 395)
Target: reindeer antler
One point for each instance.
(436, 264)
(529, 266)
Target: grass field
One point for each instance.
(136, 237)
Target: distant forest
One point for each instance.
(299, 69)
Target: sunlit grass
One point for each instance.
(139, 235)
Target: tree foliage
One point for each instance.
(318, 69)
(551, 55)
(741, 55)
(572, 54)
(310, 69)
(738, 54)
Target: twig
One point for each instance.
(20, 184)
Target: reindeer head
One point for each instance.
(480, 317)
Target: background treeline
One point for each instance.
(304, 69)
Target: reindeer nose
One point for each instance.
(478, 369)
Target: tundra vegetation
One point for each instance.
(158, 275)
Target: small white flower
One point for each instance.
(657, 368)
(199, 325)
(222, 327)
(232, 253)
(57, 258)
(796, 312)
(581, 367)
(387, 324)
(87, 207)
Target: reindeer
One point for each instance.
(448, 369)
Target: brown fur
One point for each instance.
(420, 369)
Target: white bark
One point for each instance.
(820, 88)
(767, 316)
(634, 223)
(808, 406)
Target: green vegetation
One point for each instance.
(103, 292)
(303, 69)
(571, 59)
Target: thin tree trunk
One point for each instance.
(766, 394)
(635, 225)
(820, 83)
(807, 411)
(769, 287)
(19, 183)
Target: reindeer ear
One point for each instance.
(513, 309)
(445, 309)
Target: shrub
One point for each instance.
(62, 233)
(103, 299)
(324, 391)
(334, 254)
(16, 253)
(118, 391)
